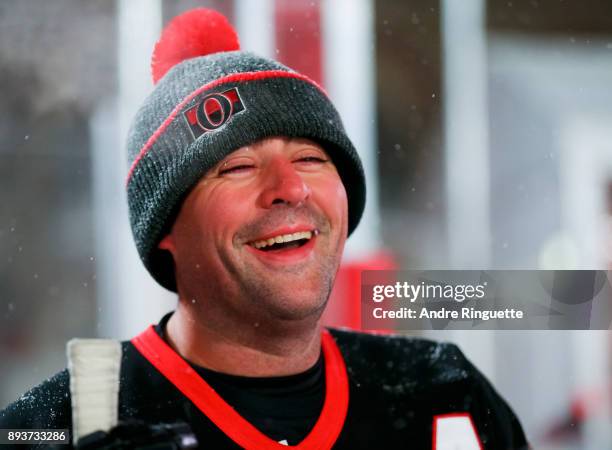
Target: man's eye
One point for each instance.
(235, 169)
(312, 159)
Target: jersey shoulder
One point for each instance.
(436, 376)
(404, 358)
(44, 406)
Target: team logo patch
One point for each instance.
(213, 111)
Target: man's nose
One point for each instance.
(283, 184)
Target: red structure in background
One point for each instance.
(344, 306)
(298, 36)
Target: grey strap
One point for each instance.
(94, 366)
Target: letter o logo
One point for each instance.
(213, 111)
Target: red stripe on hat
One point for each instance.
(237, 77)
(323, 435)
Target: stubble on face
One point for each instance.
(295, 291)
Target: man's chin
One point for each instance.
(298, 312)
(291, 292)
(291, 301)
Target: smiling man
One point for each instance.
(265, 228)
(242, 190)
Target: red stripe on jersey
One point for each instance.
(237, 428)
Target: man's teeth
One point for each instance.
(283, 238)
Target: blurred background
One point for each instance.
(484, 126)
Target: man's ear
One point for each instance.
(167, 243)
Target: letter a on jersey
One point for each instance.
(455, 432)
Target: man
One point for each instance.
(242, 191)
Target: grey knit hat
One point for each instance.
(205, 107)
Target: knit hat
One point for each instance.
(209, 100)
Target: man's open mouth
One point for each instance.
(284, 241)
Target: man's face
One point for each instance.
(262, 233)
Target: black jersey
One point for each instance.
(285, 408)
(380, 392)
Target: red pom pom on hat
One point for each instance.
(194, 33)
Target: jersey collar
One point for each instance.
(323, 435)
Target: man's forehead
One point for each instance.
(279, 142)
